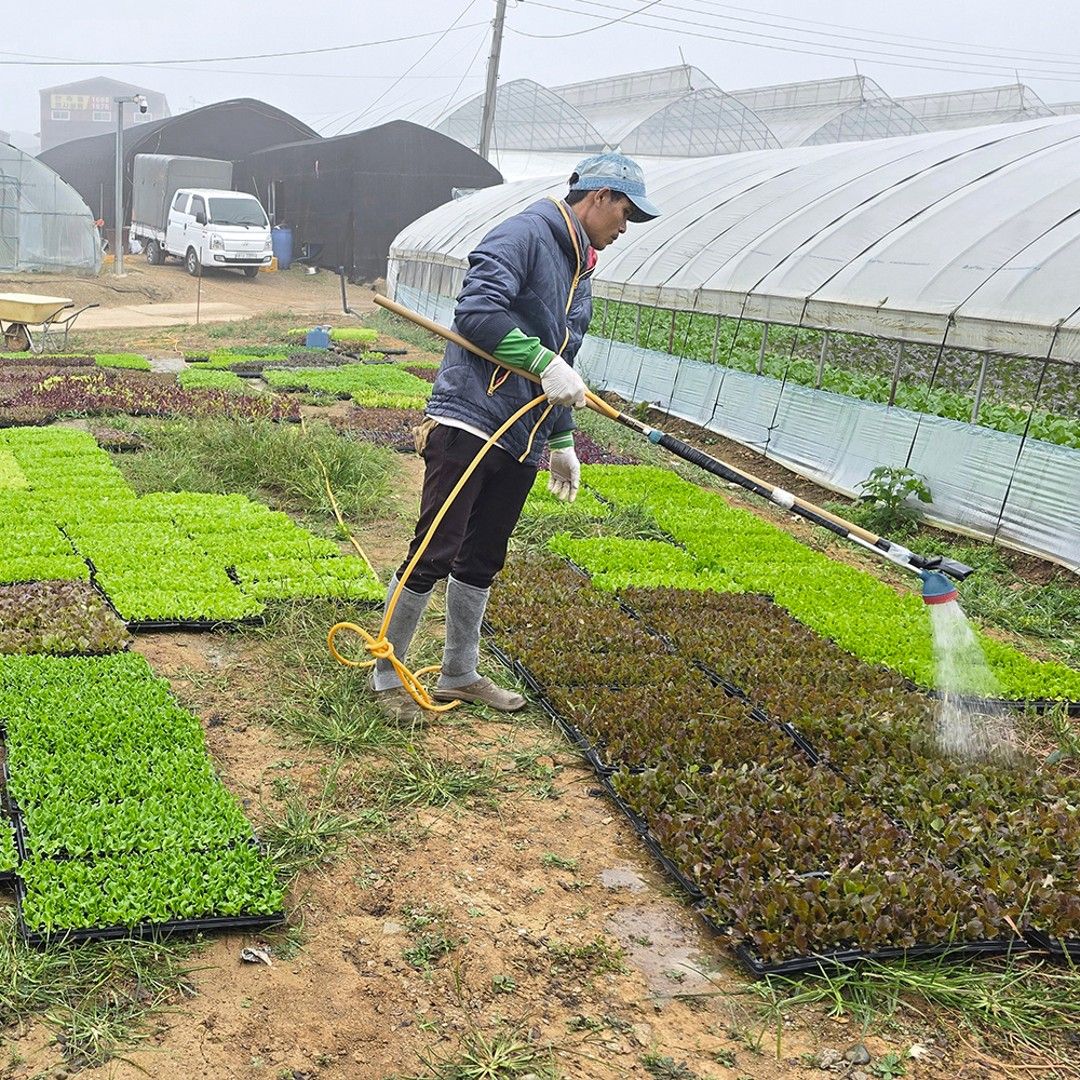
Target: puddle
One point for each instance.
(622, 877)
(662, 951)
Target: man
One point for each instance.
(526, 300)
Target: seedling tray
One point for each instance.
(1065, 950)
(142, 931)
(202, 625)
(641, 828)
(967, 950)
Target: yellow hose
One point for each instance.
(377, 644)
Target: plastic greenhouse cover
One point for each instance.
(964, 236)
(44, 223)
(973, 472)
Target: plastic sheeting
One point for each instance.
(1020, 492)
(44, 224)
(968, 238)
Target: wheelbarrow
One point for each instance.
(45, 314)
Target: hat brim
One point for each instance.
(643, 209)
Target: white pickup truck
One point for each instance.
(182, 208)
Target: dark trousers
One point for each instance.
(471, 539)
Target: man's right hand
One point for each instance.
(562, 384)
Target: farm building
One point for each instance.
(346, 198)
(44, 224)
(227, 129)
(84, 109)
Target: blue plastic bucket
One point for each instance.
(281, 240)
(318, 338)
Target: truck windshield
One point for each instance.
(237, 212)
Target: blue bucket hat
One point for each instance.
(620, 173)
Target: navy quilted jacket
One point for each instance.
(529, 272)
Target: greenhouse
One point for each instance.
(44, 224)
(906, 302)
(848, 109)
(971, 108)
(670, 112)
(528, 116)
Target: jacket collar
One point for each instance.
(576, 244)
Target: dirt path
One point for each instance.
(143, 285)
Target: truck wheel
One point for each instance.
(250, 271)
(154, 254)
(191, 261)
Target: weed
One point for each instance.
(334, 709)
(596, 957)
(1023, 1005)
(503, 984)
(551, 859)
(667, 1068)
(97, 997)
(427, 949)
(507, 1055)
(306, 834)
(725, 1058)
(418, 918)
(422, 781)
(889, 1067)
(885, 493)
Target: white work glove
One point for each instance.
(562, 384)
(565, 474)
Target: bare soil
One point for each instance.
(142, 283)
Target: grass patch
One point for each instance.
(305, 834)
(506, 1055)
(418, 780)
(1021, 1007)
(268, 462)
(403, 330)
(97, 997)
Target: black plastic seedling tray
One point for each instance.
(150, 625)
(151, 931)
(798, 965)
(1065, 950)
(641, 828)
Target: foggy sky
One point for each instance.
(339, 90)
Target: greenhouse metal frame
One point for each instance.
(528, 116)
(44, 224)
(1011, 103)
(960, 248)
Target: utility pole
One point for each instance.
(487, 120)
(118, 207)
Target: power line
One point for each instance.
(472, 63)
(871, 56)
(69, 62)
(590, 29)
(412, 67)
(981, 57)
(884, 36)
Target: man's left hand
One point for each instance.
(565, 474)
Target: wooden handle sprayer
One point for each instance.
(930, 568)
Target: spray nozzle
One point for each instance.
(937, 588)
